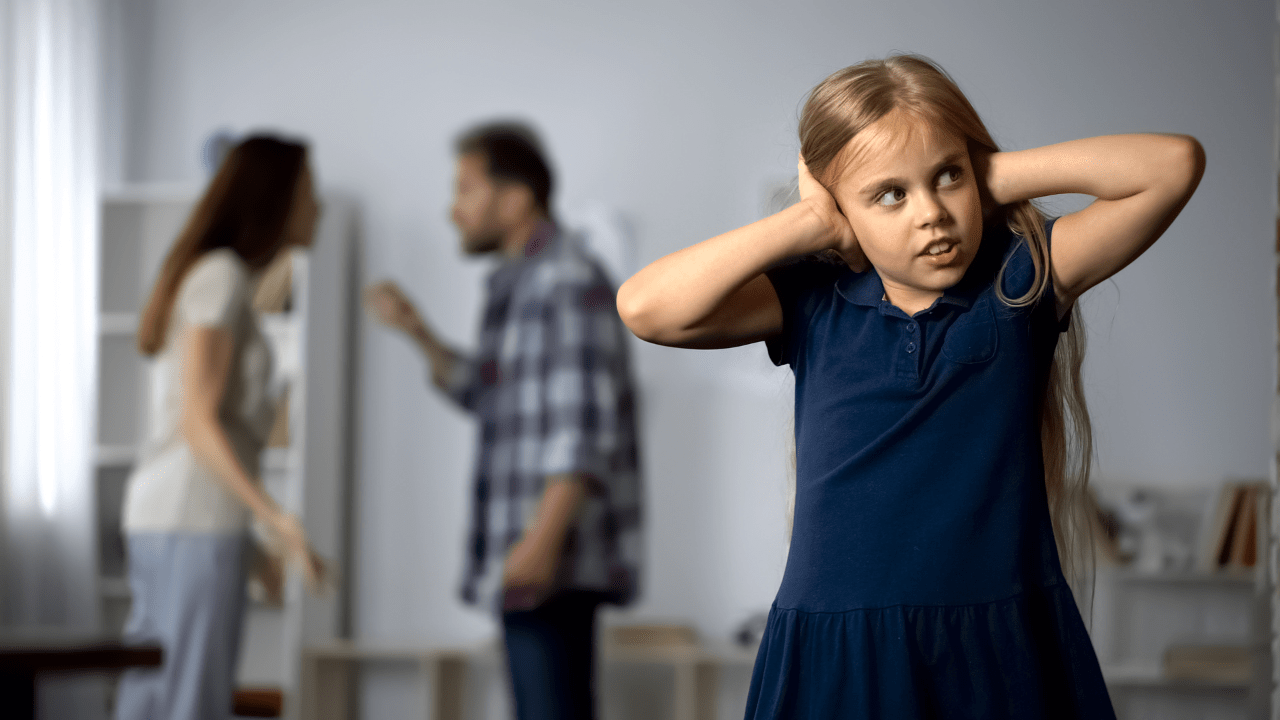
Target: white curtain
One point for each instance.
(48, 310)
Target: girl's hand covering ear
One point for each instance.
(981, 160)
(824, 205)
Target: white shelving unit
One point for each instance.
(309, 477)
(1137, 615)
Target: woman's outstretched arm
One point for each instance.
(714, 294)
(1141, 183)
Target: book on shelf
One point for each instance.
(1218, 531)
(1209, 663)
(1232, 538)
(1245, 545)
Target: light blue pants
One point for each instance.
(188, 595)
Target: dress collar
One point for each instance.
(867, 289)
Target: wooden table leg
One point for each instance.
(326, 688)
(447, 677)
(685, 705)
(707, 686)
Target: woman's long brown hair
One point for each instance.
(851, 99)
(245, 208)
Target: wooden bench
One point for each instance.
(328, 673)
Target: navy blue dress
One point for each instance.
(923, 579)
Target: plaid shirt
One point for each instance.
(551, 388)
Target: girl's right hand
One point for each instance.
(824, 206)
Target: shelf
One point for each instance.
(115, 455)
(117, 323)
(150, 192)
(1224, 577)
(1150, 676)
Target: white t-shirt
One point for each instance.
(170, 491)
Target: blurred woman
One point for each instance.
(189, 501)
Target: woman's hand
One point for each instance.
(824, 206)
(291, 541)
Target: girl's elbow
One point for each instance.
(1188, 157)
(636, 313)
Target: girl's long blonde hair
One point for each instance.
(851, 99)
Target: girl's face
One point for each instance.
(911, 197)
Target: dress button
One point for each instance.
(911, 327)
(911, 347)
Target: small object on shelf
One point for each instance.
(1138, 513)
(654, 635)
(258, 702)
(1229, 664)
(751, 631)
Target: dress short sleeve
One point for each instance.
(215, 290)
(798, 285)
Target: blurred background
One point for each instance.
(667, 122)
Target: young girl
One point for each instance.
(919, 298)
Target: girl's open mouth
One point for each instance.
(941, 252)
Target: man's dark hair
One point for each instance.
(513, 154)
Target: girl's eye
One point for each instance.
(948, 176)
(892, 197)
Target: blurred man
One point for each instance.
(555, 516)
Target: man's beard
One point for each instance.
(482, 242)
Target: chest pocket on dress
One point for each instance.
(973, 337)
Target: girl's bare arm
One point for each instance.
(1141, 183)
(714, 294)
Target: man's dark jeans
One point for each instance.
(551, 657)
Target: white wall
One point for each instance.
(682, 116)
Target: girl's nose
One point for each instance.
(932, 212)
